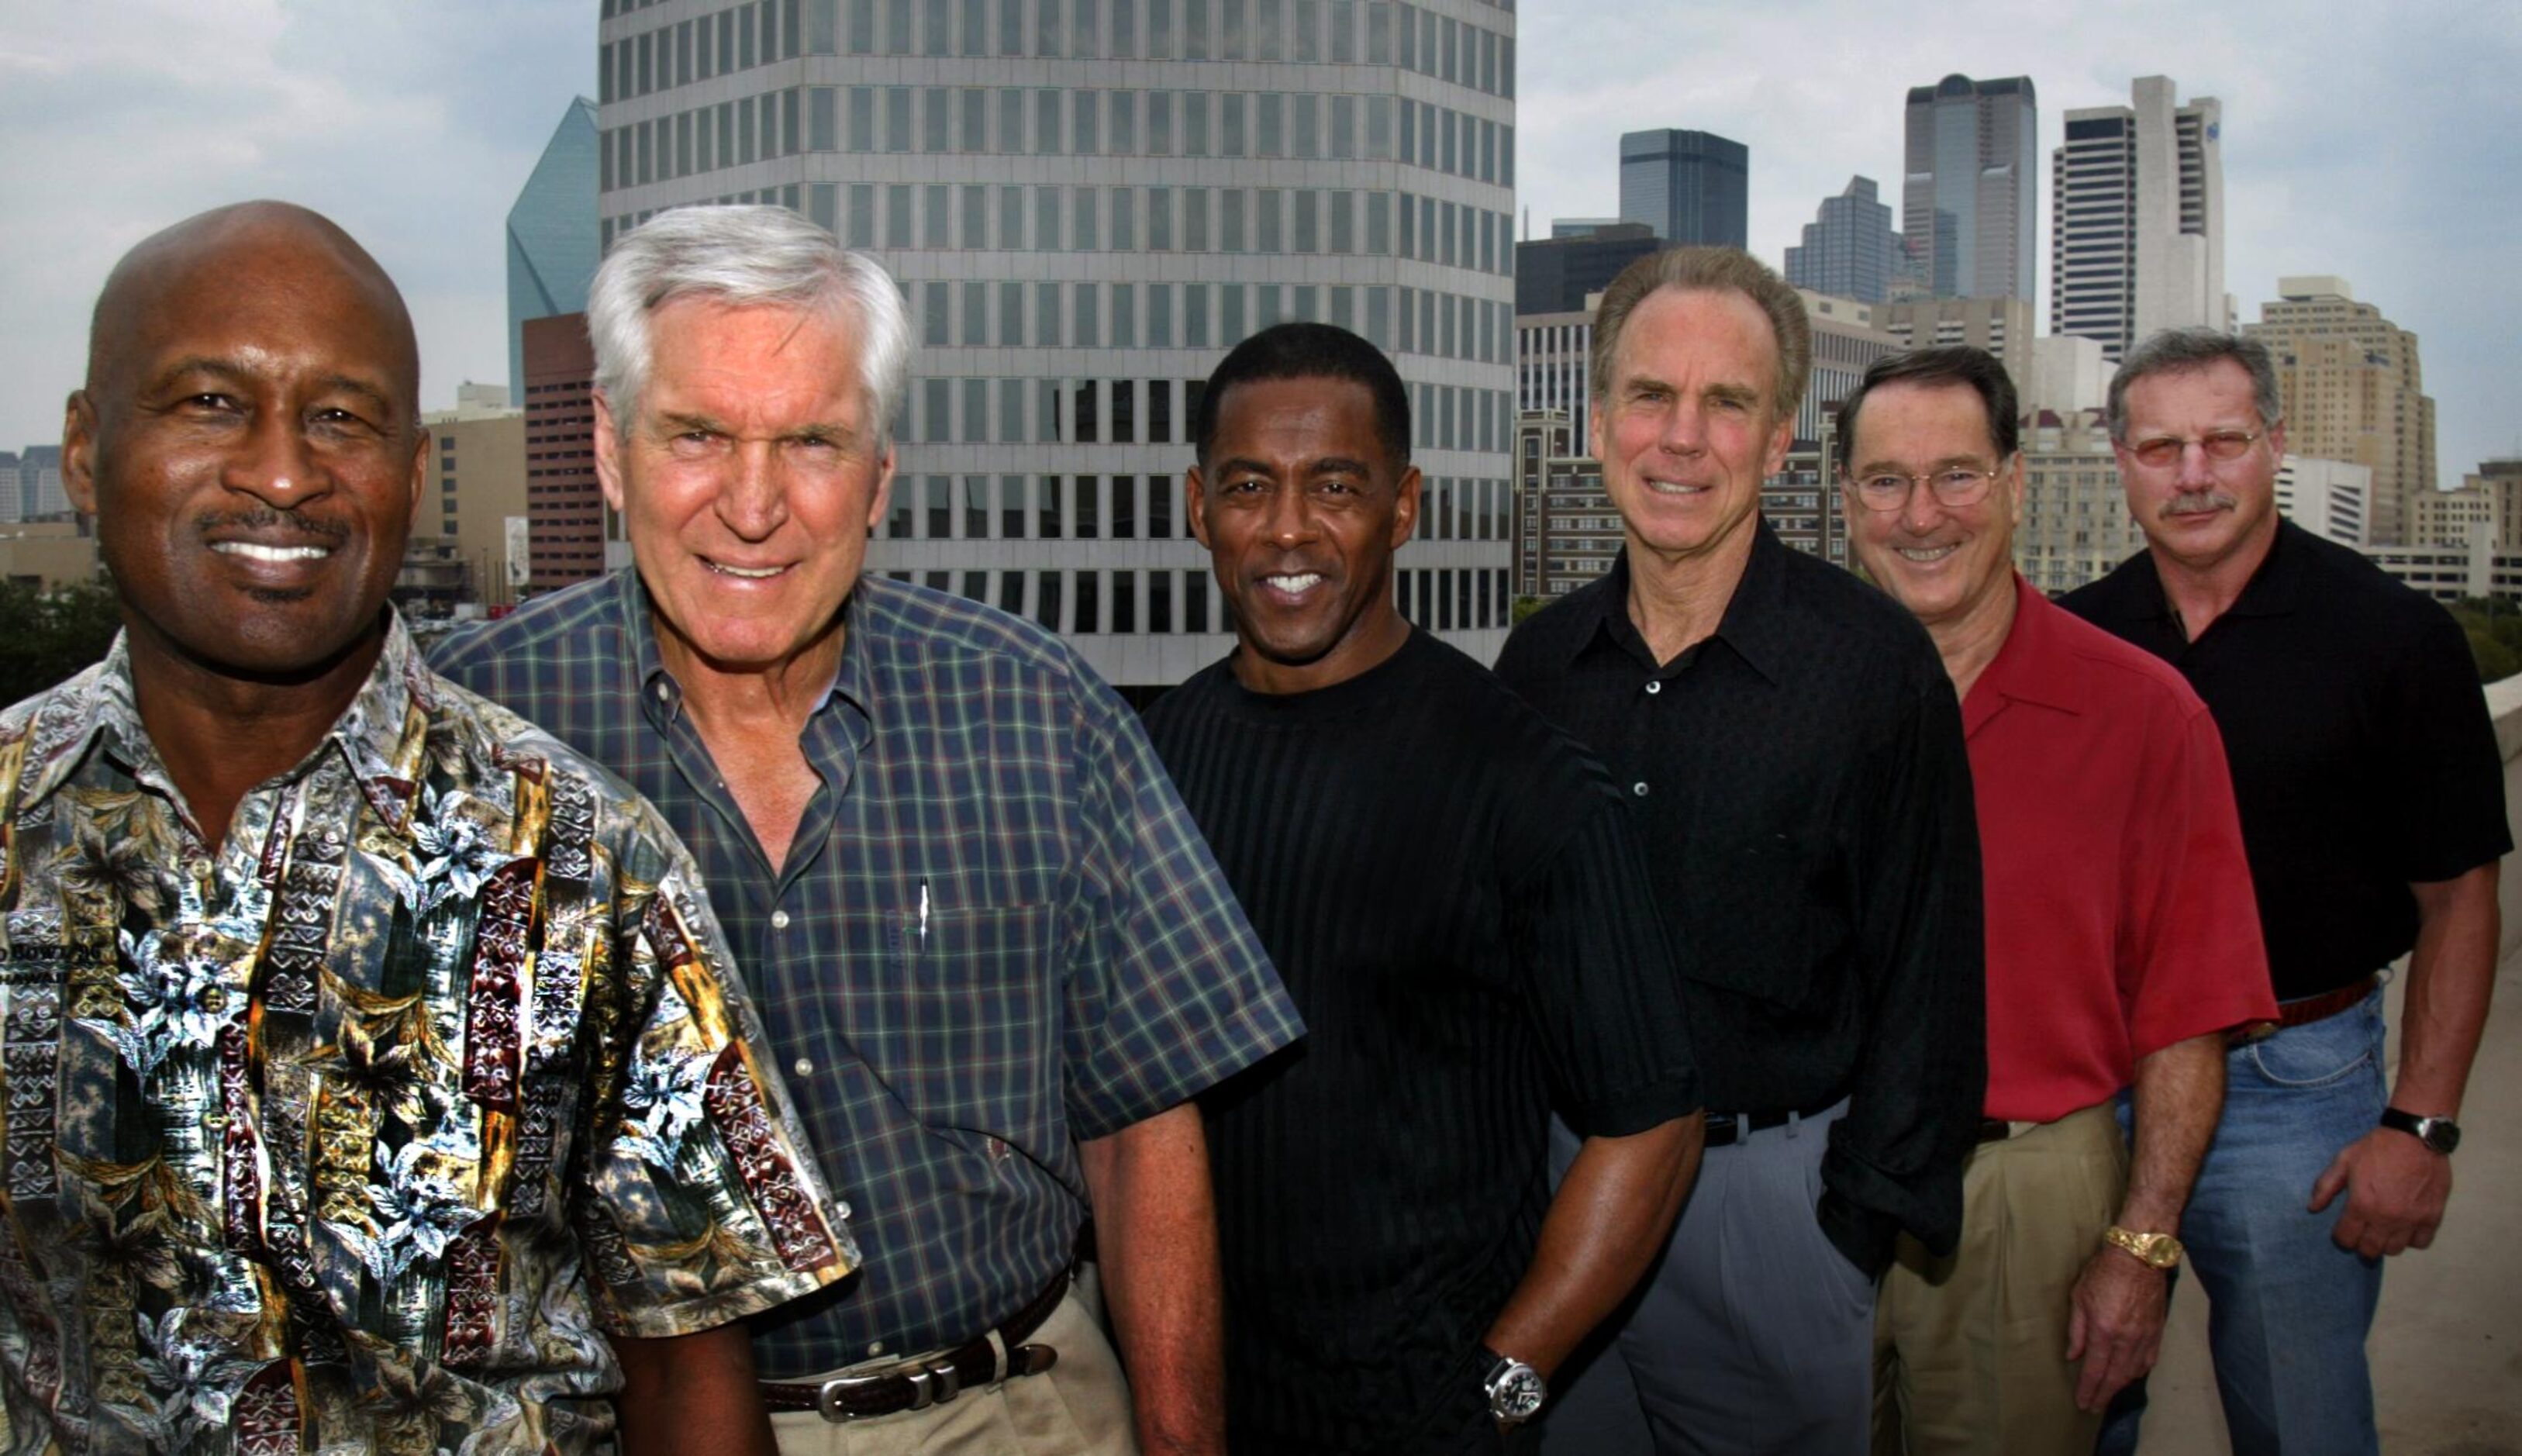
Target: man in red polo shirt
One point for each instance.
(2123, 942)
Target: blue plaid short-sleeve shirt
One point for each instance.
(997, 933)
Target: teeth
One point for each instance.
(254, 550)
(748, 573)
(1924, 554)
(1300, 582)
(1674, 488)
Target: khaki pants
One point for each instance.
(1970, 1353)
(1079, 1407)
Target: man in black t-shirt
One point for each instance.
(2372, 805)
(1449, 890)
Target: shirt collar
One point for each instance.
(2028, 668)
(372, 732)
(2275, 588)
(1757, 623)
(661, 696)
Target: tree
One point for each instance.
(46, 637)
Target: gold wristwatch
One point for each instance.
(2156, 1250)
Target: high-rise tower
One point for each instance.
(2352, 390)
(552, 235)
(1088, 202)
(2137, 220)
(1968, 203)
(1692, 187)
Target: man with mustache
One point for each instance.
(2372, 804)
(376, 1075)
(1399, 1278)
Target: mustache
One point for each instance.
(2197, 503)
(266, 521)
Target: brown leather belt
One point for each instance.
(2310, 1009)
(929, 1380)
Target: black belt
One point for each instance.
(1725, 1129)
(2310, 1009)
(917, 1384)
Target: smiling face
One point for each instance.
(248, 439)
(1689, 425)
(2201, 512)
(748, 482)
(1302, 510)
(1949, 564)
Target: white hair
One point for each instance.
(742, 255)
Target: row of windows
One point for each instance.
(1095, 603)
(1304, 125)
(1129, 507)
(1046, 411)
(1303, 31)
(977, 314)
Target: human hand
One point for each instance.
(2396, 1189)
(2115, 1324)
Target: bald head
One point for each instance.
(236, 250)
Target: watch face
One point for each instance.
(2442, 1134)
(1515, 1391)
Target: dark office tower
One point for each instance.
(1554, 275)
(1967, 204)
(1850, 251)
(552, 234)
(1692, 187)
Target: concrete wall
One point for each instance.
(2505, 705)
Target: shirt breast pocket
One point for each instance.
(970, 1015)
(1761, 913)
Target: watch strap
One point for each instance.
(2441, 1134)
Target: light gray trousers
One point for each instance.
(1753, 1334)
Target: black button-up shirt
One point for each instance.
(2362, 755)
(1804, 798)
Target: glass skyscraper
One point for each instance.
(1969, 202)
(1692, 187)
(552, 235)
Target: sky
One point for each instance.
(2379, 143)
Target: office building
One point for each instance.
(1556, 275)
(1850, 249)
(2067, 374)
(1848, 337)
(1087, 202)
(475, 486)
(2136, 240)
(10, 508)
(572, 535)
(2001, 325)
(2488, 504)
(1968, 202)
(47, 555)
(2076, 524)
(2449, 574)
(1580, 227)
(2326, 497)
(1690, 187)
(2353, 390)
(1552, 360)
(552, 233)
(40, 495)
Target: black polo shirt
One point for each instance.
(1803, 797)
(2361, 751)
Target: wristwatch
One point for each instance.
(2156, 1251)
(2441, 1134)
(1516, 1390)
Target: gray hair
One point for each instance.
(1706, 270)
(742, 255)
(2180, 350)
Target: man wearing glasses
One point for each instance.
(2121, 945)
(2371, 796)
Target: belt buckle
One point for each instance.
(932, 1383)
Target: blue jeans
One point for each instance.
(2288, 1309)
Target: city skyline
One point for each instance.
(416, 129)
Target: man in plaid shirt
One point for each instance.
(995, 958)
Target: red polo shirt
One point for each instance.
(2120, 913)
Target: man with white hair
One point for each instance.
(993, 957)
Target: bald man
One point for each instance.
(375, 1075)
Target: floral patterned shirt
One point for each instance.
(358, 1131)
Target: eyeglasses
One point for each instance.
(2165, 450)
(1886, 489)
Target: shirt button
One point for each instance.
(803, 1067)
(1639, 788)
(779, 920)
(843, 1209)
(1654, 687)
(663, 692)
(875, 1347)
(201, 869)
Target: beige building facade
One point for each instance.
(2076, 524)
(2488, 504)
(2354, 390)
(49, 554)
(476, 483)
